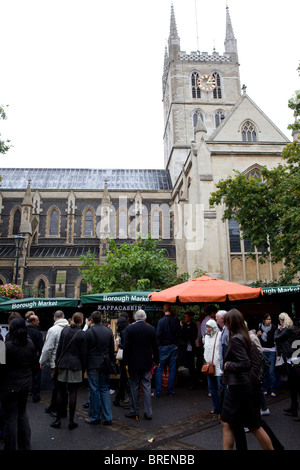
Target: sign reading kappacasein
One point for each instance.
(118, 307)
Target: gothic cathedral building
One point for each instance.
(211, 128)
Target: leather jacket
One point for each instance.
(238, 361)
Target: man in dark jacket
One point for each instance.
(140, 352)
(167, 333)
(100, 354)
(38, 341)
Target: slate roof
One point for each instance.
(8, 251)
(85, 179)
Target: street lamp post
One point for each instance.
(19, 240)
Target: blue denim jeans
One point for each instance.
(166, 354)
(99, 398)
(214, 387)
(269, 383)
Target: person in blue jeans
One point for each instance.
(167, 333)
(212, 356)
(100, 352)
(265, 333)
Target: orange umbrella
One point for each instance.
(206, 289)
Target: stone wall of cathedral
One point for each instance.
(50, 256)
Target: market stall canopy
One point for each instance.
(134, 297)
(33, 303)
(281, 290)
(205, 289)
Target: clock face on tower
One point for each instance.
(207, 82)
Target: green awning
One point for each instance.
(281, 290)
(134, 297)
(33, 303)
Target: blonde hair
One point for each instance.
(287, 321)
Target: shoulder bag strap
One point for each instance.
(214, 348)
(75, 334)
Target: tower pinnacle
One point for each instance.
(173, 26)
(230, 41)
(174, 40)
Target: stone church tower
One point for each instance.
(211, 128)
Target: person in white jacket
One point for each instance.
(212, 356)
(49, 352)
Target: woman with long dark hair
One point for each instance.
(70, 360)
(15, 384)
(238, 407)
(265, 333)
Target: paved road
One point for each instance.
(180, 423)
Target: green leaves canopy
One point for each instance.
(130, 266)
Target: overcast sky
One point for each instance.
(82, 78)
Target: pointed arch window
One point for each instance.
(83, 288)
(219, 117)
(41, 288)
(255, 172)
(16, 222)
(89, 223)
(196, 92)
(122, 219)
(217, 92)
(54, 223)
(234, 236)
(249, 133)
(156, 224)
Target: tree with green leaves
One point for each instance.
(4, 145)
(140, 265)
(267, 208)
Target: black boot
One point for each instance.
(56, 424)
(72, 425)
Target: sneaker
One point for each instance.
(273, 395)
(265, 412)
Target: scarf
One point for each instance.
(265, 330)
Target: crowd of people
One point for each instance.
(242, 364)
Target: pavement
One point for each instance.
(181, 424)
